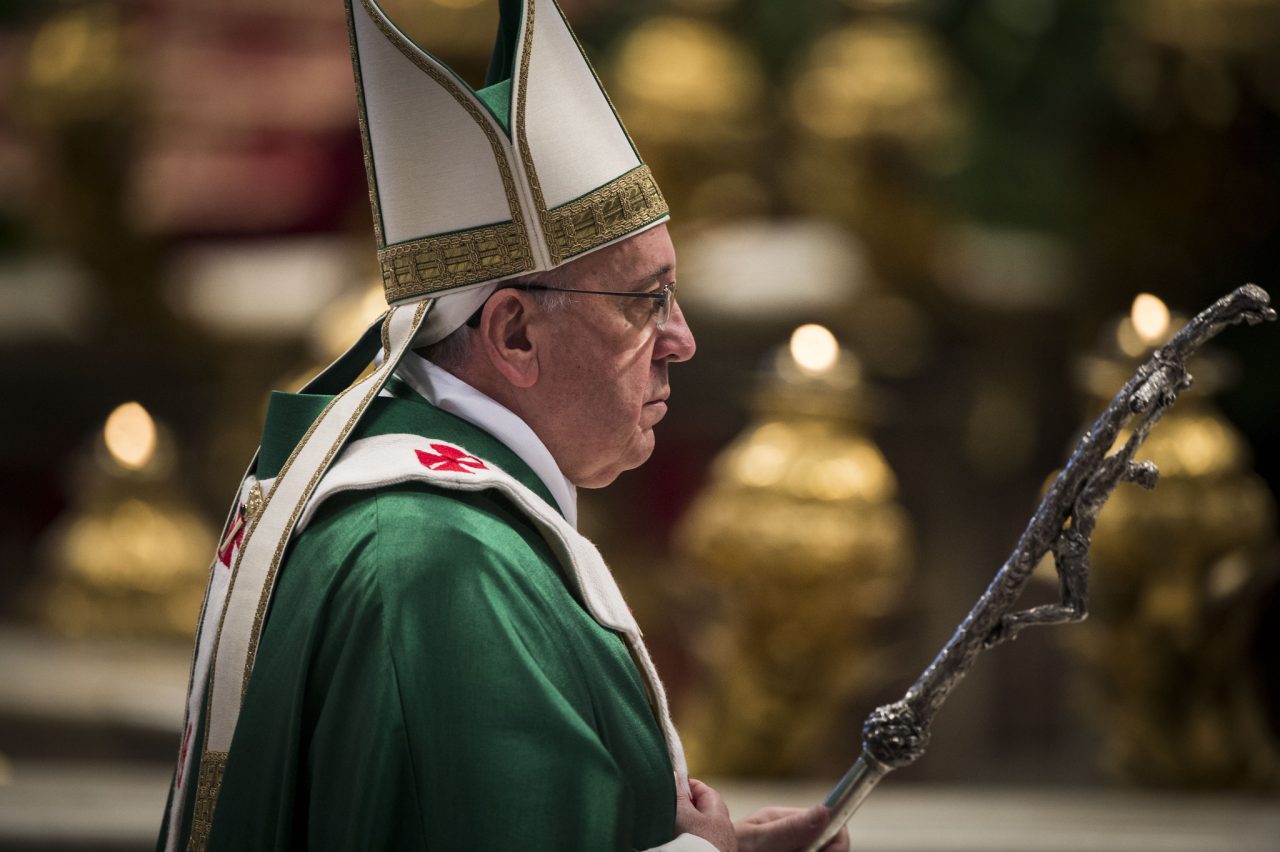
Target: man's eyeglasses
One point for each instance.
(662, 297)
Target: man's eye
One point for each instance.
(640, 310)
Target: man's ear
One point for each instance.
(505, 338)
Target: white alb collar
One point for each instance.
(450, 393)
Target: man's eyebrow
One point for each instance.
(656, 275)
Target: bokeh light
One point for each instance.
(814, 348)
(1150, 318)
(130, 436)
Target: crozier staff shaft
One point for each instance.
(896, 734)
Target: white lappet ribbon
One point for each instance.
(236, 601)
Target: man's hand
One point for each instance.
(787, 830)
(705, 815)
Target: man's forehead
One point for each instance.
(637, 261)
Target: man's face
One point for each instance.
(603, 376)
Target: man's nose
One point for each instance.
(675, 338)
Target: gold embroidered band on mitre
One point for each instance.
(622, 205)
(419, 268)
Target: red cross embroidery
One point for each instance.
(235, 537)
(452, 459)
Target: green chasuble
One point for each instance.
(427, 680)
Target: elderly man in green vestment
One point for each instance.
(406, 644)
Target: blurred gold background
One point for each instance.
(921, 242)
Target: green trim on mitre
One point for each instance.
(496, 93)
(498, 99)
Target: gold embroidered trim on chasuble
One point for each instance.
(212, 765)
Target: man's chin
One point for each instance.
(642, 451)
(630, 459)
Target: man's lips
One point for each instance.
(661, 395)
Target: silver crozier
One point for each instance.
(896, 734)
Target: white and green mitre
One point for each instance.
(468, 188)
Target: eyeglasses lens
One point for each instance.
(664, 305)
